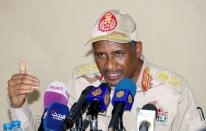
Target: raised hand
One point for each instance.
(20, 85)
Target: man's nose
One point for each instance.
(111, 63)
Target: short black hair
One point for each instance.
(133, 44)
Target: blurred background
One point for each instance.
(50, 35)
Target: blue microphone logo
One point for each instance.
(57, 116)
(106, 99)
(130, 99)
(120, 94)
(123, 96)
(97, 92)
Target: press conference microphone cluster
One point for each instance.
(146, 118)
(55, 103)
(122, 100)
(57, 116)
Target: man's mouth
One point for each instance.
(113, 75)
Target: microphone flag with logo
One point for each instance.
(124, 92)
(100, 94)
(122, 100)
(54, 117)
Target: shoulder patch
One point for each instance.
(169, 78)
(162, 76)
(175, 81)
(85, 69)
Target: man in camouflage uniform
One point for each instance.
(118, 54)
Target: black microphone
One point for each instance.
(146, 118)
(41, 128)
(78, 108)
(122, 100)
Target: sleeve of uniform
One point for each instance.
(188, 117)
(28, 122)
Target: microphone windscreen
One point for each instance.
(150, 107)
(56, 92)
(146, 118)
(126, 84)
(54, 117)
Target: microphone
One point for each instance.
(146, 118)
(78, 108)
(53, 119)
(98, 99)
(122, 99)
(56, 92)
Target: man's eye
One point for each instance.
(119, 53)
(99, 55)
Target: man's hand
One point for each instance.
(20, 85)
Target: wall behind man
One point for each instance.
(50, 36)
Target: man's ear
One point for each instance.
(139, 49)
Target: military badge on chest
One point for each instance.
(162, 116)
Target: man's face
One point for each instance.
(115, 60)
